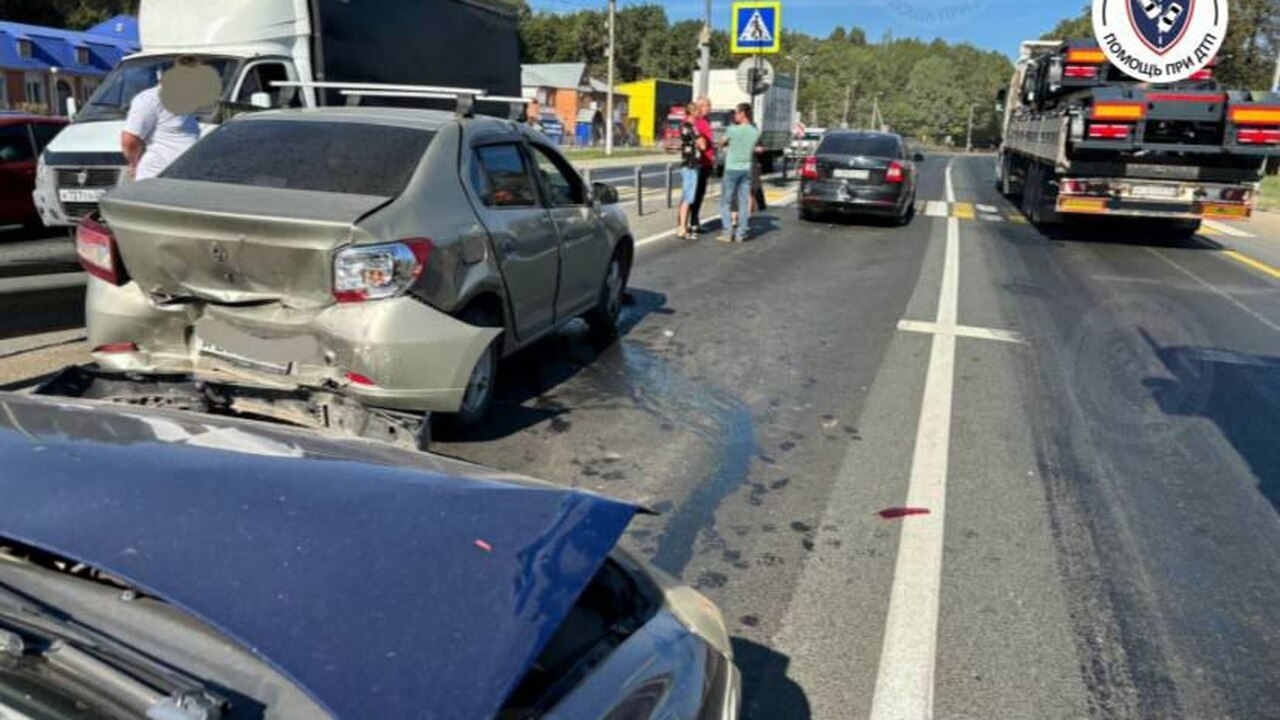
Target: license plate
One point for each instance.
(852, 174)
(92, 195)
(1163, 192)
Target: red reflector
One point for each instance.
(120, 347)
(1081, 71)
(809, 168)
(358, 379)
(1187, 97)
(1258, 136)
(1109, 131)
(894, 173)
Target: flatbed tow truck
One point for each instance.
(1080, 138)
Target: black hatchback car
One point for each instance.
(864, 173)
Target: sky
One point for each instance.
(989, 24)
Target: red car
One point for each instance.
(22, 137)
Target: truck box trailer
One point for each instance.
(772, 109)
(252, 43)
(1082, 138)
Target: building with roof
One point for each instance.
(565, 90)
(41, 67)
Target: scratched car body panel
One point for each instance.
(305, 564)
(240, 258)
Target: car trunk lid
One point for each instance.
(232, 244)
(852, 169)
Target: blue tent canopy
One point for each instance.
(105, 43)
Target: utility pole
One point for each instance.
(813, 113)
(795, 91)
(1275, 79)
(968, 136)
(874, 122)
(608, 101)
(848, 96)
(704, 72)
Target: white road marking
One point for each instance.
(989, 209)
(1227, 229)
(937, 208)
(966, 331)
(988, 217)
(1216, 290)
(904, 682)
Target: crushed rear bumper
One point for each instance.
(397, 353)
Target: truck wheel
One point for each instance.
(1005, 181)
(1029, 187)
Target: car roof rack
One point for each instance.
(464, 98)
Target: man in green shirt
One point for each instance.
(740, 141)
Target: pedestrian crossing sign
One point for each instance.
(757, 27)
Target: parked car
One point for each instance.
(393, 253)
(865, 173)
(221, 568)
(22, 138)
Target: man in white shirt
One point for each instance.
(154, 136)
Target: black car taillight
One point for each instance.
(97, 251)
(809, 169)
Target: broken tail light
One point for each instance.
(373, 272)
(96, 249)
(809, 168)
(894, 174)
(1109, 131)
(1080, 72)
(119, 347)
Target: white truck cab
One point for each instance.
(249, 43)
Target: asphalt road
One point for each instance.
(1073, 437)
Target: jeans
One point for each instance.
(688, 185)
(736, 186)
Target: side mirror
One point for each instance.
(918, 157)
(260, 100)
(604, 194)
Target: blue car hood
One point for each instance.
(384, 591)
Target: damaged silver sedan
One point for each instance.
(390, 256)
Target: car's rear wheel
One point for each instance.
(907, 213)
(478, 397)
(605, 318)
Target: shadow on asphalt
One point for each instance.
(40, 312)
(1238, 392)
(1124, 231)
(855, 220)
(767, 692)
(527, 376)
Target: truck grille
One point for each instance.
(93, 177)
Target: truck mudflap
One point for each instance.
(325, 410)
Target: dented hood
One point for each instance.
(385, 584)
(232, 243)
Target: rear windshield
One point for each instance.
(873, 146)
(336, 157)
